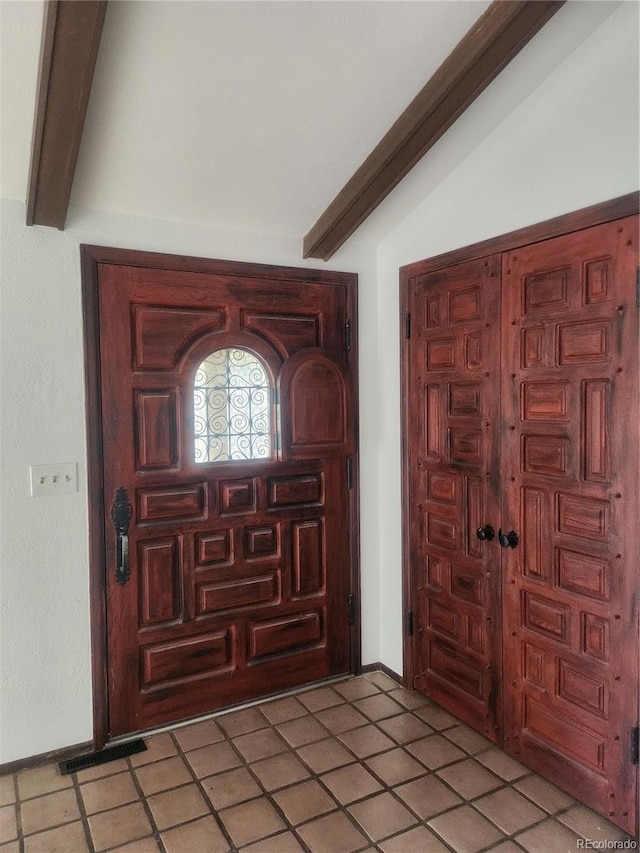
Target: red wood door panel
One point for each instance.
(570, 471)
(239, 571)
(454, 380)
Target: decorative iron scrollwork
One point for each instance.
(121, 512)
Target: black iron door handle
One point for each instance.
(121, 512)
(487, 532)
(508, 540)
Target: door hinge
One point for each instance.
(351, 607)
(635, 745)
(349, 472)
(347, 335)
(410, 623)
(407, 326)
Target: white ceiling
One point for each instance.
(246, 115)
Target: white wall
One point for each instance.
(572, 142)
(45, 676)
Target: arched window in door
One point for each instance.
(231, 401)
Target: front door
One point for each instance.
(227, 412)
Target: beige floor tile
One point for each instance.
(302, 731)
(509, 810)
(261, 744)
(158, 747)
(325, 755)
(395, 767)
(231, 788)
(109, 792)
(469, 779)
(420, 839)
(548, 836)
(215, 758)
(279, 770)
(304, 801)
(591, 825)
(198, 734)
(320, 698)
(465, 830)
(436, 717)
(7, 790)
(351, 783)
(242, 722)
(119, 826)
(405, 728)
(42, 780)
(427, 796)
(506, 847)
(11, 847)
(411, 699)
(8, 824)
(333, 833)
(173, 807)
(285, 842)
(503, 765)
(435, 751)
(544, 794)
(282, 710)
(200, 836)
(144, 845)
(111, 768)
(49, 810)
(471, 741)
(69, 838)
(366, 741)
(381, 680)
(381, 816)
(378, 707)
(341, 719)
(162, 775)
(250, 821)
(356, 688)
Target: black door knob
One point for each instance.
(508, 540)
(487, 532)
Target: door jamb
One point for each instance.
(596, 214)
(90, 258)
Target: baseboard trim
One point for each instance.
(374, 667)
(55, 756)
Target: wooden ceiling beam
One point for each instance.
(68, 53)
(498, 35)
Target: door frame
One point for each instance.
(90, 258)
(596, 214)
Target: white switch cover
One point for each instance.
(59, 478)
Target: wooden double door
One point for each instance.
(521, 511)
(224, 526)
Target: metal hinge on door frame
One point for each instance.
(410, 623)
(351, 609)
(347, 335)
(635, 745)
(407, 326)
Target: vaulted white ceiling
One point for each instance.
(247, 115)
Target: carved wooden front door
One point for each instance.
(228, 436)
(522, 412)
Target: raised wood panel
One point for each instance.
(240, 592)
(545, 401)
(584, 343)
(180, 659)
(448, 663)
(156, 414)
(159, 562)
(285, 634)
(214, 547)
(261, 542)
(575, 742)
(308, 561)
(237, 496)
(295, 491)
(587, 518)
(596, 455)
(287, 332)
(583, 574)
(162, 334)
(164, 504)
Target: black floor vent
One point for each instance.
(111, 753)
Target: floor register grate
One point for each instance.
(111, 753)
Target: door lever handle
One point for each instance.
(487, 532)
(121, 512)
(508, 540)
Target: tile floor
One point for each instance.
(358, 765)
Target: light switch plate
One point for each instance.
(59, 478)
